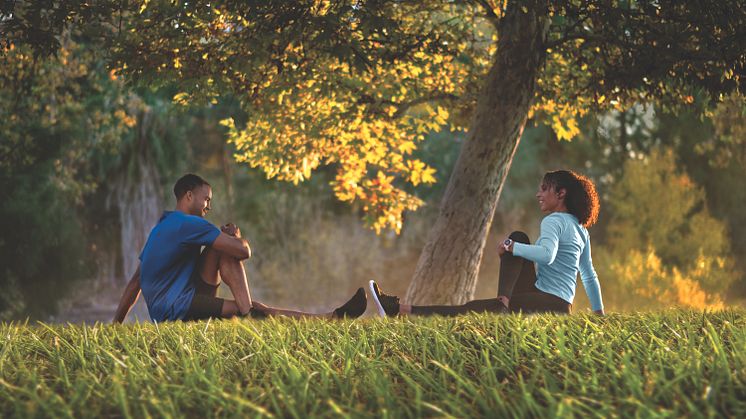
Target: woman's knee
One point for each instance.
(520, 237)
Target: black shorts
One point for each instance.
(205, 304)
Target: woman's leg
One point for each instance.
(517, 285)
(388, 305)
(491, 305)
(539, 302)
(517, 275)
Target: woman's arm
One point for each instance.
(545, 249)
(129, 297)
(590, 279)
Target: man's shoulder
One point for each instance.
(195, 219)
(180, 217)
(177, 222)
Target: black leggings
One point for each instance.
(517, 282)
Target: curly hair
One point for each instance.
(581, 198)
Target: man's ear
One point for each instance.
(189, 195)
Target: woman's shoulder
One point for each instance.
(561, 217)
(563, 221)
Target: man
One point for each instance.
(180, 283)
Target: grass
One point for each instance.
(670, 363)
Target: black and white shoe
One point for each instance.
(387, 305)
(355, 307)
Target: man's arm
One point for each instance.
(131, 292)
(230, 242)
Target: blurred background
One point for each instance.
(87, 165)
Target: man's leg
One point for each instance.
(234, 275)
(231, 271)
(354, 307)
(213, 267)
(216, 266)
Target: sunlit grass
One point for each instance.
(670, 363)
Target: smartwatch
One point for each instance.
(507, 243)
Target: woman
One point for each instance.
(562, 250)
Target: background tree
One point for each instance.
(664, 253)
(60, 113)
(553, 61)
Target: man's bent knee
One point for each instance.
(209, 266)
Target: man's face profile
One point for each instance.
(199, 200)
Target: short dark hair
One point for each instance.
(188, 183)
(581, 198)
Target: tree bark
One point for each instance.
(449, 264)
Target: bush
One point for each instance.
(664, 248)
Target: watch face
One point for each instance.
(507, 242)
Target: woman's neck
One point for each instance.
(560, 208)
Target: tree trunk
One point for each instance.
(449, 264)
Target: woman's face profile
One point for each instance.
(549, 200)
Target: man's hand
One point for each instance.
(231, 230)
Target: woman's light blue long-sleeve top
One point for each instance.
(563, 249)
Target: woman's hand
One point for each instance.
(501, 249)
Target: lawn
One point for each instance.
(668, 363)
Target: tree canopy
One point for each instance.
(358, 84)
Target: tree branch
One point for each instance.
(570, 33)
(405, 106)
(490, 14)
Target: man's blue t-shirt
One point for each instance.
(168, 260)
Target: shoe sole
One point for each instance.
(381, 311)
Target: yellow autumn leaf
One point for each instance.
(183, 99)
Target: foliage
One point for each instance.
(42, 249)
(665, 242)
(60, 112)
(712, 154)
(357, 84)
(604, 56)
(728, 145)
(363, 113)
(673, 363)
(653, 284)
(56, 111)
(68, 151)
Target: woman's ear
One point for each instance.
(561, 193)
